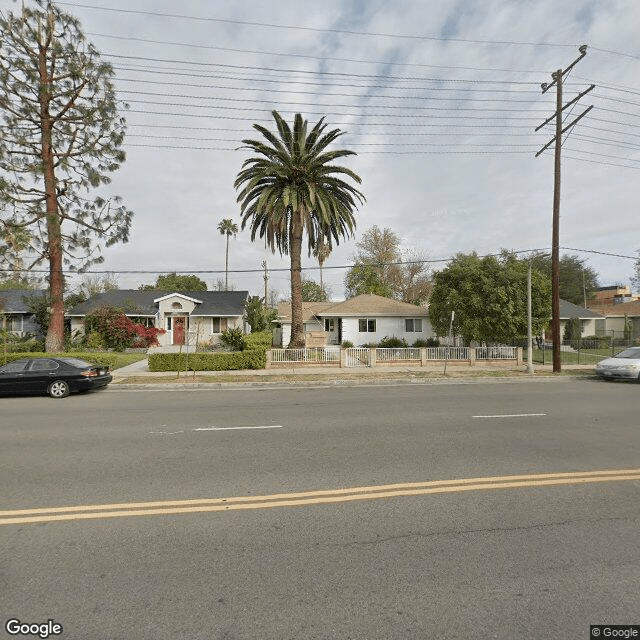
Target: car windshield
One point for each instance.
(76, 362)
(629, 353)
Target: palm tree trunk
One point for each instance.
(297, 329)
(226, 267)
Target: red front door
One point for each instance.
(178, 331)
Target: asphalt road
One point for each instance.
(323, 513)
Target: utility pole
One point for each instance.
(557, 77)
(529, 330)
(266, 283)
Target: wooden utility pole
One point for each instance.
(557, 77)
(266, 282)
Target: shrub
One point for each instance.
(433, 342)
(392, 342)
(420, 343)
(94, 340)
(258, 340)
(249, 359)
(347, 344)
(233, 338)
(108, 359)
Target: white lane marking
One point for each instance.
(166, 433)
(513, 415)
(271, 426)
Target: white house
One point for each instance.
(184, 316)
(360, 320)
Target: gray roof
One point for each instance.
(570, 310)
(13, 300)
(141, 303)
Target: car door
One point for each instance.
(12, 376)
(40, 373)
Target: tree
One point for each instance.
(577, 280)
(292, 187)
(175, 282)
(313, 292)
(489, 298)
(228, 228)
(572, 330)
(321, 252)
(257, 315)
(61, 137)
(383, 268)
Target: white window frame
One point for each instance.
(329, 325)
(413, 325)
(369, 322)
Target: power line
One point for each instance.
(313, 268)
(340, 74)
(318, 30)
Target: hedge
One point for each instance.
(258, 340)
(108, 359)
(224, 361)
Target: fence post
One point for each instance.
(423, 356)
(373, 357)
(267, 364)
(343, 358)
(519, 358)
(472, 356)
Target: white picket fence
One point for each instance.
(319, 355)
(397, 355)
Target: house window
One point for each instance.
(176, 305)
(329, 325)
(366, 326)
(413, 325)
(169, 327)
(215, 328)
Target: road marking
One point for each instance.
(513, 415)
(269, 426)
(325, 496)
(166, 433)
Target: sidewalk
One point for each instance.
(132, 374)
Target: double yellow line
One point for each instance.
(329, 496)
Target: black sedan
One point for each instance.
(56, 376)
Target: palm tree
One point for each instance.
(321, 252)
(227, 227)
(292, 187)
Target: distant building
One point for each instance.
(615, 294)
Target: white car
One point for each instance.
(625, 364)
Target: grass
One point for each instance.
(125, 359)
(584, 356)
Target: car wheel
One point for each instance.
(58, 389)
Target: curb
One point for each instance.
(211, 386)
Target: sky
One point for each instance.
(439, 99)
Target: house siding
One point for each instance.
(385, 328)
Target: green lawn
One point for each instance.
(584, 356)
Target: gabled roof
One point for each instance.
(570, 310)
(12, 300)
(371, 304)
(178, 295)
(145, 303)
(309, 310)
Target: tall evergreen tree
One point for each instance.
(292, 187)
(61, 137)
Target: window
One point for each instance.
(366, 326)
(43, 364)
(413, 325)
(176, 305)
(14, 367)
(329, 324)
(215, 325)
(169, 327)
